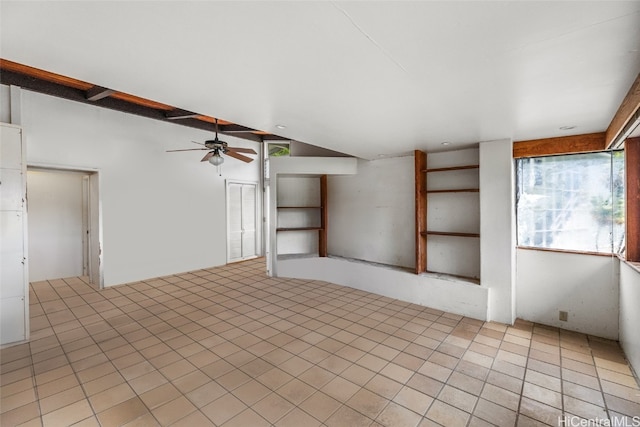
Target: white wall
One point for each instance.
(162, 213)
(371, 214)
(372, 219)
(630, 314)
(439, 292)
(292, 168)
(586, 286)
(56, 224)
(497, 229)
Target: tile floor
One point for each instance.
(229, 346)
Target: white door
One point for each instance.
(58, 224)
(14, 291)
(241, 221)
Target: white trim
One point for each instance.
(94, 206)
(257, 226)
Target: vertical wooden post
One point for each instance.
(324, 214)
(632, 219)
(420, 159)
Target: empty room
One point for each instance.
(319, 213)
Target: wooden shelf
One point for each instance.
(421, 171)
(299, 207)
(299, 229)
(447, 233)
(460, 190)
(452, 168)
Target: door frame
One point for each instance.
(258, 225)
(91, 191)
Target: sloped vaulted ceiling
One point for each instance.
(364, 78)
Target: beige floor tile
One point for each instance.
(345, 416)
(122, 413)
(273, 407)
(435, 371)
(396, 415)
(194, 419)
(543, 380)
(320, 406)
(159, 395)
(539, 411)
(21, 414)
(223, 409)
(458, 398)
(111, 397)
(274, 378)
(622, 406)
(317, 377)
(397, 372)
(61, 399)
(248, 349)
(447, 415)
(251, 392)
(383, 386)
(191, 381)
(103, 383)
(628, 393)
(296, 418)
(618, 378)
(172, 411)
(340, 389)
(177, 369)
(413, 399)
(495, 413)
(583, 368)
(18, 386)
(296, 391)
(367, 403)
(584, 409)
(68, 415)
(466, 383)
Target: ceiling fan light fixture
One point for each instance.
(216, 159)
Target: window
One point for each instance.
(572, 202)
(279, 150)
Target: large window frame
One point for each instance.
(571, 202)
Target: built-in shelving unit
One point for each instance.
(440, 231)
(309, 218)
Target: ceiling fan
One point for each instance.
(218, 148)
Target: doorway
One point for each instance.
(242, 238)
(63, 224)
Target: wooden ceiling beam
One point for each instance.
(272, 137)
(44, 75)
(233, 128)
(246, 135)
(96, 93)
(42, 81)
(626, 115)
(585, 143)
(179, 114)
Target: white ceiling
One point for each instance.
(364, 78)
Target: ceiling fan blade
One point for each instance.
(207, 156)
(242, 150)
(199, 143)
(239, 156)
(187, 149)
